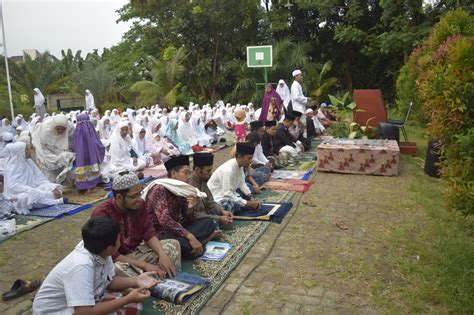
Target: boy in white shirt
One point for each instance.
(78, 283)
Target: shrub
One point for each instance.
(440, 77)
(457, 22)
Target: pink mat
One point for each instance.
(157, 171)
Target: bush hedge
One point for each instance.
(439, 77)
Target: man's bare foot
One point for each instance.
(57, 194)
(214, 235)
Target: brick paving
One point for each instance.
(305, 265)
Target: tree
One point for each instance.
(165, 84)
(213, 32)
(40, 73)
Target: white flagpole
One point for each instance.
(6, 63)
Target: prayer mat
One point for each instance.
(291, 174)
(289, 185)
(25, 223)
(215, 148)
(268, 195)
(301, 166)
(272, 212)
(243, 235)
(157, 171)
(59, 211)
(90, 197)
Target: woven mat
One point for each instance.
(59, 211)
(242, 236)
(25, 223)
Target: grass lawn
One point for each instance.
(431, 256)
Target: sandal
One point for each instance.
(341, 225)
(20, 288)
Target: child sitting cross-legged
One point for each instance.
(77, 284)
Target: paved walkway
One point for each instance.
(307, 265)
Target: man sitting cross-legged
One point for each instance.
(172, 202)
(227, 183)
(207, 207)
(78, 283)
(128, 209)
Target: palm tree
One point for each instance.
(317, 82)
(96, 78)
(165, 84)
(288, 56)
(40, 73)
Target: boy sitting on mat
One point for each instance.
(78, 283)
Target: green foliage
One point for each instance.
(339, 130)
(442, 71)
(453, 23)
(343, 103)
(166, 74)
(98, 80)
(319, 83)
(40, 73)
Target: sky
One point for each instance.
(61, 24)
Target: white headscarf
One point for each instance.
(198, 130)
(185, 131)
(52, 149)
(120, 147)
(104, 128)
(90, 104)
(39, 97)
(22, 176)
(139, 145)
(284, 92)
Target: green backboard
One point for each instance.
(259, 56)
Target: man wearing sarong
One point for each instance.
(172, 203)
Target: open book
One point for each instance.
(179, 289)
(215, 251)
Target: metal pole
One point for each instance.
(266, 75)
(6, 63)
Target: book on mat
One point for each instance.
(179, 289)
(215, 251)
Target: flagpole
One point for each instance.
(6, 63)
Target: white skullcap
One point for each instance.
(124, 180)
(309, 110)
(296, 72)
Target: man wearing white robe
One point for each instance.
(298, 100)
(228, 178)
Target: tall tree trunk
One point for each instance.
(215, 64)
(348, 70)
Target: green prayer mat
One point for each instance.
(243, 235)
